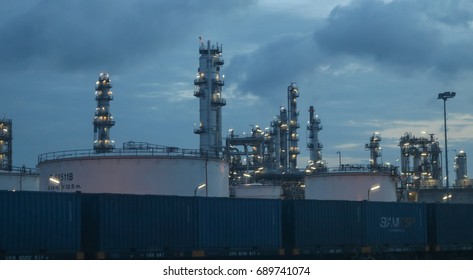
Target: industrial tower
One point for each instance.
(103, 120)
(208, 88)
(313, 143)
(283, 127)
(292, 113)
(375, 150)
(420, 162)
(461, 171)
(6, 144)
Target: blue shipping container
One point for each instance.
(45, 222)
(322, 225)
(238, 223)
(395, 225)
(134, 223)
(450, 226)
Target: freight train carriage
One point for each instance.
(47, 225)
(347, 229)
(118, 226)
(450, 230)
(40, 225)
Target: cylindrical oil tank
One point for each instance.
(19, 181)
(356, 186)
(161, 175)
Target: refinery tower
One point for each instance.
(208, 88)
(103, 120)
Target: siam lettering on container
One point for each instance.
(397, 223)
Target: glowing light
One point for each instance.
(375, 187)
(54, 180)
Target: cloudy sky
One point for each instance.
(365, 65)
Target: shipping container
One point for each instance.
(239, 227)
(450, 226)
(39, 225)
(137, 226)
(322, 226)
(395, 226)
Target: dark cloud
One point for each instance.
(82, 34)
(411, 34)
(268, 70)
(389, 32)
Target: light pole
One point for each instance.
(339, 160)
(373, 188)
(444, 96)
(203, 185)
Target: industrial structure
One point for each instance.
(208, 88)
(375, 150)
(421, 165)
(461, 172)
(261, 164)
(376, 181)
(13, 178)
(316, 163)
(265, 162)
(141, 167)
(460, 192)
(293, 125)
(6, 145)
(103, 120)
(422, 179)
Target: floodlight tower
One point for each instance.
(103, 120)
(444, 96)
(208, 88)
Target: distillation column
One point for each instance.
(420, 161)
(283, 133)
(375, 150)
(103, 120)
(313, 144)
(208, 88)
(6, 145)
(293, 137)
(461, 170)
(276, 134)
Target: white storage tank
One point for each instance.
(132, 173)
(356, 186)
(19, 180)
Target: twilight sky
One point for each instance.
(365, 65)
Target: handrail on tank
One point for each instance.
(155, 151)
(353, 168)
(24, 170)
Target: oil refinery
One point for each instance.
(144, 168)
(233, 197)
(261, 164)
(13, 178)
